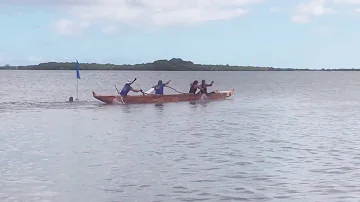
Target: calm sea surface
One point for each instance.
(283, 136)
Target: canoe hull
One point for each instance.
(148, 99)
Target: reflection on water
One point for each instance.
(125, 108)
(159, 105)
(201, 103)
(287, 136)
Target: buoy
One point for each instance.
(71, 99)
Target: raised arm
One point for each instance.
(133, 81)
(167, 83)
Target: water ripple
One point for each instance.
(283, 137)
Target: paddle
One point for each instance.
(175, 90)
(117, 89)
(122, 101)
(141, 90)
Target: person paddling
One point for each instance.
(194, 86)
(127, 88)
(159, 87)
(204, 86)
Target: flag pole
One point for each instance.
(77, 79)
(77, 89)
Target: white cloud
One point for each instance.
(35, 59)
(347, 1)
(160, 13)
(111, 29)
(305, 11)
(43, 2)
(301, 18)
(195, 16)
(321, 30)
(31, 60)
(274, 9)
(70, 27)
(140, 13)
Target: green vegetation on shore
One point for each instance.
(175, 64)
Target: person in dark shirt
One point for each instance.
(204, 86)
(194, 86)
(127, 88)
(159, 88)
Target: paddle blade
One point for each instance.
(150, 91)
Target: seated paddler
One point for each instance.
(159, 87)
(194, 86)
(127, 88)
(204, 87)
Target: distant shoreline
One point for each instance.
(174, 64)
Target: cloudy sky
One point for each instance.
(279, 33)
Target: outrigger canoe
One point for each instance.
(148, 99)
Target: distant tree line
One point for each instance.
(175, 64)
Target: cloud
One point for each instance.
(70, 27)
(111, 29)
(27, 60)
(36, 59)
(274, 9)
(144, 13)
(44, 2)
(322, 30)
(301, 18)
(305, 11)
(347, 1)
(160, 13)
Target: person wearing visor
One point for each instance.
(127, 88)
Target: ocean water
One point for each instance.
(283, 136)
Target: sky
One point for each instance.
(278, 33)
